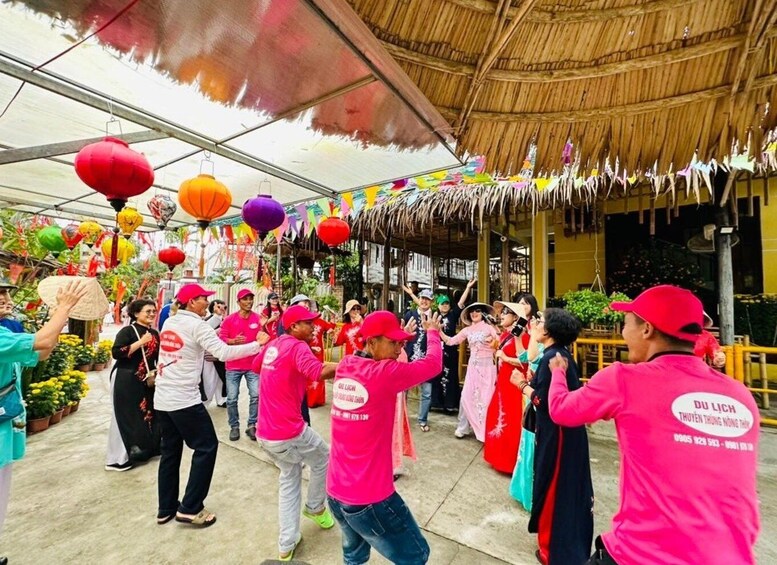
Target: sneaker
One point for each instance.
(251, 433)
(289, 555)
(234, 434)
(459, 435)
(324, 520)
(119, 467)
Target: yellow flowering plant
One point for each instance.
(42, 399)
(103, 351)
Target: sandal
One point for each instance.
(161, 520)
(424, 427)
(200, 520)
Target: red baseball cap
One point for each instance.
(191, 291)
(673, 310)
(245, 292)
(384, 323)
(297, 313)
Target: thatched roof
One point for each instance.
(647, 82)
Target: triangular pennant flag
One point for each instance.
(345, 208)
(324, 204)
(348, 198)
(370, 194)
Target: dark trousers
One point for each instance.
(305, 410)
(193, 426)
(600, 556)
(221, 371)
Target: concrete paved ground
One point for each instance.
(66, 509)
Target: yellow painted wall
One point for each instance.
(574, 260)
(769, 235)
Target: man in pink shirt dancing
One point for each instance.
(360, 481)
(241, 327)
(286, 365)
(688, 438)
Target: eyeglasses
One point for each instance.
(148, 312)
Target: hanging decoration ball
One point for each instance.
(129, 219)
(111, 168)
(71, 235)
(124, 252)
(263, 213)
(162, 208)
(205, 198)
(51, 239)
(333, 231)
(91, 231)
(172, 257)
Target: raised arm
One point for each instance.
(465, 295)
(410, 293)
(67, 298)
(408, 375)
(208, 339)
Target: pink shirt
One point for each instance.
(481, 337)
(364, 399)
(234, 325)
(688, 438)
(285, 366)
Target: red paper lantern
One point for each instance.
(333, 231)
(111, 168)
(172, 257)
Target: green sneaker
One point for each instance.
(324, 520)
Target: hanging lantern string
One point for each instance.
(208, 160)
(119, 14)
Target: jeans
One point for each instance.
(288, 456)
(426, 402)
(193, 426)
(388, 526)
(233, 391)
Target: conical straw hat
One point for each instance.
(93, 306)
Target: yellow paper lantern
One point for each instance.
(129, 219)
(91, 231)
(124, 252)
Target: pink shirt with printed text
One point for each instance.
(234, 325)
(284, 366)
(364, 399)
(688, 438)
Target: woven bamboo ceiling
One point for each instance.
(643, 81)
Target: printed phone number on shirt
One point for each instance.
(711, 442)
(350, 415)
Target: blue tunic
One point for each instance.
(16, 351)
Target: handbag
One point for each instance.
(150, 379)
(10, 402)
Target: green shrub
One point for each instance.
(592, 307)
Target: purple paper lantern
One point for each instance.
(263, 213)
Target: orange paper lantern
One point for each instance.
(205, 198)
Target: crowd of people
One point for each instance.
(684, 428)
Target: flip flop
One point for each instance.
(200, 520)
(161, 520)
(424, 427)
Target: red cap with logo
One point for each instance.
(245, 292)
(191, 291)
(297, 313)
(384, 323)
(673, 310)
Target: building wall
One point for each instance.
(769, 237)
(573, 258)
(573, 261)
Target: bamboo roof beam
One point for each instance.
(494, 45)
(545, 15)
(762, 21)
(590, 114)
(593, 70)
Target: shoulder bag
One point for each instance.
(10, 402)
(150, 379)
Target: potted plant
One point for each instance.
(60, 399)
(41, 403)
(593, 308)
(74, 386)
(102, 354)
(84, 355)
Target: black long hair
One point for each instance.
(529, 298)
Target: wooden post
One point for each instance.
(386, 272)
(484, 259)
(539, 258)
(725, 264)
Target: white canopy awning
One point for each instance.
(295, 97)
